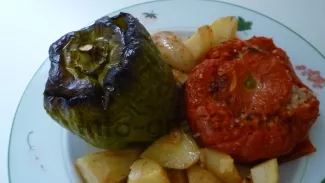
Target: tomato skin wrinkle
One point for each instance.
(239, 99)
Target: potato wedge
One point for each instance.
(147, 171)
(197, 174)
(177, 176)
(247, 180)
(221, 165)
(200, 42)
(173, 51)
(107, 166)
(207, 37)
(176, 150)
(224, 29)
(180, 76)
(244, 170)
(266, 172)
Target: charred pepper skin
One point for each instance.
(239, 101)
(108, 84)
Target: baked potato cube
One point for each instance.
(221, 165)
(197, 174)
(176, 150)
(180, 76)
(206, 36)
(173, 51)
(244, 170)
(147, 171)
(177, 176)
(200, 42)
(247, 180)
(266, 172)
(107, 166)
(224, 29)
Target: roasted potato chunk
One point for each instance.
(247, 180)
(221, 165)
(224, 29)
(180, 77)
(147, 171)
(266, 172)
(107, 166)
(173, 51)
(176, 150)
(177, 176)
(196, 174)
(209, 36)
(200, 42)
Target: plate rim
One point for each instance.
(120, 10)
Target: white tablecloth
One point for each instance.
(27, 28)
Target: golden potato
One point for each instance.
(224, 29)
(180, 76)
(177, 176)
(221, 165)
(244, 170)
(107, 166)
(207, 37)
(247, 180)
(147, 171)
(197, 174)
(266, 172)
(176, 150)
(173, 51)
(200, 42)
(184, 55)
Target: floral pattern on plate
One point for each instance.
(243, 25)
(148, 17)
(32, 148)
(313, 76)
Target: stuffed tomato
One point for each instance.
(245, 99)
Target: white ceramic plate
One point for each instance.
(41, 151)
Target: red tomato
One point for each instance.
(245, 99)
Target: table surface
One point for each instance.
(29, 27)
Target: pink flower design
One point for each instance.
(301, 67)
(314, 76)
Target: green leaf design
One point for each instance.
(152, 14)
(323, 181)
(243, 25)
